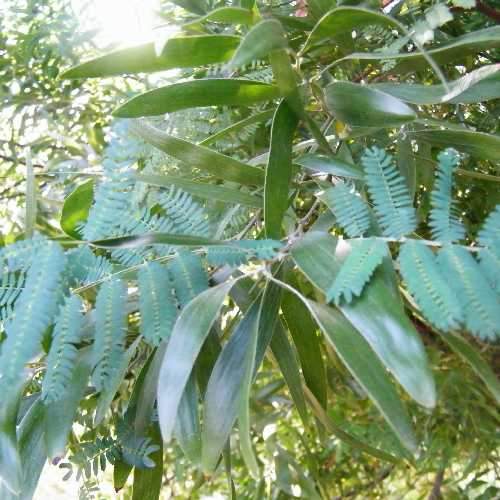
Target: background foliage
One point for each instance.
(258, 258)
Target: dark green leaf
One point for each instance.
(459, 48)
(279, 169)
(263, 38)
(303, 330)
(365, 367)
(329, 165)
(338, 24)
(225, 389)
(478, 86)
(201, 157)
(378, 315)
(76, 208)
(179, 52)
(148, 481)
(188, 336)
(203, 190)
(227, 15)
(363, 106)
(289, 366)
(195, 94)
(478, 364)
(477, 144)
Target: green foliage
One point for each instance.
(34, 312)
(63, 353)
(282, 119)
(110, 331)
(479, 302)
(351, 212)
(389, 194)
(443, 218)
(157, 303)
(428, 285)
(366, 255)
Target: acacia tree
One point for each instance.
(283, 280)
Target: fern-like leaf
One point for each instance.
(33, 312)
(188, 216)
(389, 193)
(429, 288)
(63, 352)
(443, 219)
(479, 302)
(365, 256)
(110, 331)
(18, 256)
(240, 252)
(111, 201)
(188, 276)
(489, 256)
(351, 211)
(489, 235)
(11, 286)
(85, 267)
(157, 303)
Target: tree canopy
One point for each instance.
(257, 256)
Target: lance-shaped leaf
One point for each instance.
(262, 39)
(188, 336)
(226, 15)
(470, 355)
(279, 169)
(203, 189)
(329, 165)
(228, 385)
(195, 94)
(378, 315)
(480, 85)
(363, 106)
(76, 208)
(366, 368)
(459, 48)
(338, 24)
(477, 144)
(179, 52)
(205, 159)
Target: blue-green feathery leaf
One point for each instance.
(365, 256)
(189, 276)
(489, 235)
(85, 267)
(429, 288)
(111, 201)
(11, 286)
(33, 313)
(110, 328)
(351, 211)
(479, 302)
(489, 257)
(443, 219)
(389, 193)
(63, 353)
(489, 262)
(188, 216)
(18, 256)
(156, 302)
(240, 252)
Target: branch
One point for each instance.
(436, 488)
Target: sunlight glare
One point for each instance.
(119, 22)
